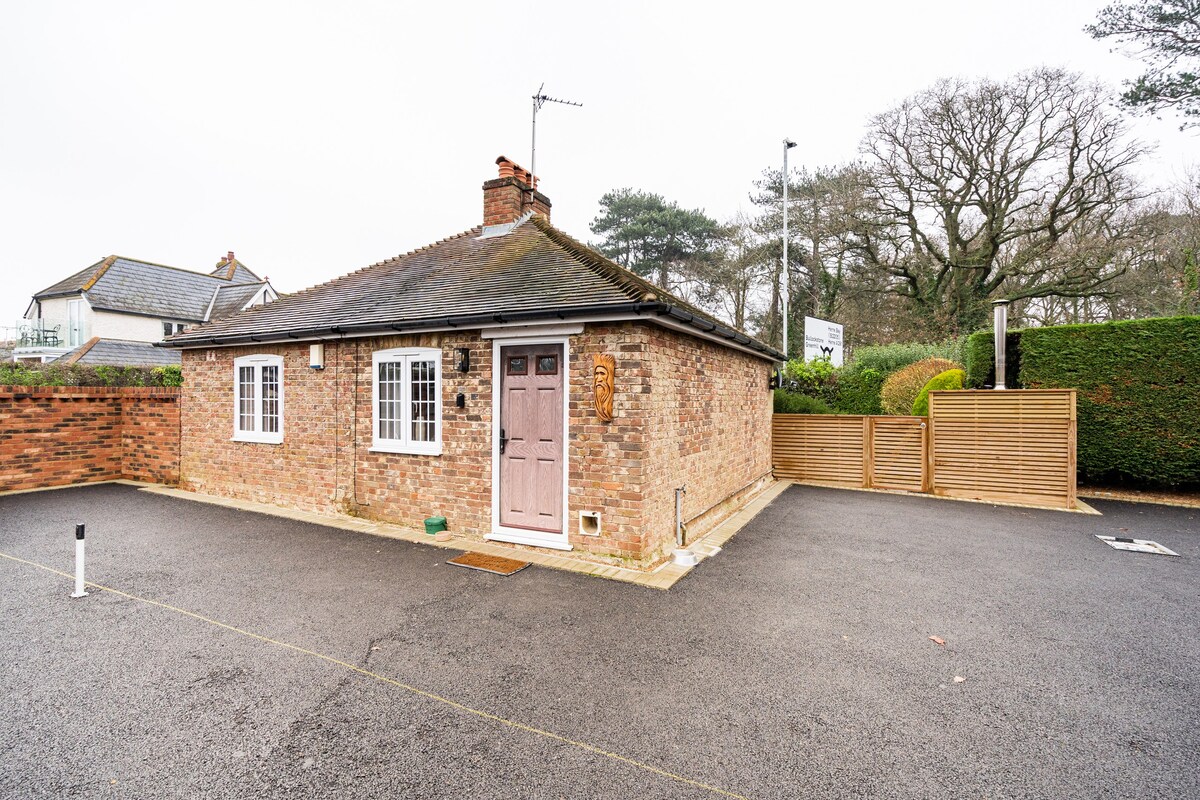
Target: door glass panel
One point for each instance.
(518, 365)
(270, 399)
(423, 401)
(547, 365)
(390, 425)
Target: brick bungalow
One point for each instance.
(461, 380)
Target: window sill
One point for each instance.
(393, 449)
(241, 437)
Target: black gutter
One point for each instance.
(478, 321)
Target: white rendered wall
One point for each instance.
(104, 324)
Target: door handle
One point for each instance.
(503, 441)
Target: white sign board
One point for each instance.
(822, 339)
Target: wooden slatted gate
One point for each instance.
(1014, 446)
(897, 453)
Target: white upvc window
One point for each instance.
(407, 415)
(258, 399)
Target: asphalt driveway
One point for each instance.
(796, 663)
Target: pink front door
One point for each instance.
(531, 441)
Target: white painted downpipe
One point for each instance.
(1000, 334)
(682, 556)
(79, 590)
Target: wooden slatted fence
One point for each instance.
(819, 448)
(1013, 446)
(1016, 445)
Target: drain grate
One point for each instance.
(1136, 545)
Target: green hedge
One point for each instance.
(17, 374)
(1138, 402)
(857, 391)
(789, 403)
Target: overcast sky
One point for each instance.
(316, 138)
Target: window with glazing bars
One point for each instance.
(407, 413)
(258, 398)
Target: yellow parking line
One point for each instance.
(383, 679)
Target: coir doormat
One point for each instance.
(486, 563)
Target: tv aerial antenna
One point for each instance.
(539, 100)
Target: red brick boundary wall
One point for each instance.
(59, 435)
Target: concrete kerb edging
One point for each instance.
(663, 577)
(1080, 506)
(124, 481)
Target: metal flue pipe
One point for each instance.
(1000, 334)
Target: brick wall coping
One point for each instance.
(165, 392)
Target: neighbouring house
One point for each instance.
(114, 311)
(508, 378)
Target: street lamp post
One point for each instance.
(788, 144)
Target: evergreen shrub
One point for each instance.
(791, 403)
(950, 379)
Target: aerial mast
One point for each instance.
(539, 100)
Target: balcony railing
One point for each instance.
(49, 333)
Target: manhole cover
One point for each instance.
(1136, 545)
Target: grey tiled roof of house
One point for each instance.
(533, 271)
(72, 284)
(139, 287)
(119, 353)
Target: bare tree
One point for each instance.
(822, 206)
(984, 190)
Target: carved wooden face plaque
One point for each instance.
(603, 369)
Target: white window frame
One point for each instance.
(75, 323)
(405, 444)
(257, 362)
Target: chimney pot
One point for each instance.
(506, 198)
(230, 256)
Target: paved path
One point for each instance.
(795, 664)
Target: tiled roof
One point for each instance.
(139, 287)
(73, 284)
(534, 270)
(119, 353)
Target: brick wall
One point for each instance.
(710, 432)
(59, 435)
(325, 463)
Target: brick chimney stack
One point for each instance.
(512, 194)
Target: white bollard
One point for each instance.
(79, 590)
